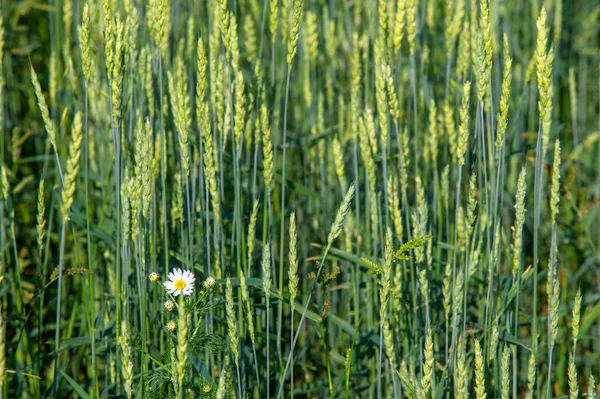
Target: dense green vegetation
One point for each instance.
(299, 198)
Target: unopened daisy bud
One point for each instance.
(154, 276)
(209, 282)
(171, 325)
(169, 305)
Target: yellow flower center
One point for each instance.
(180, 284)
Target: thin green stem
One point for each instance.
(61, 258)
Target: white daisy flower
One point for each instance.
(169, 305)
(154, 276)
(180, 282)
(209, 282)
(171, 325)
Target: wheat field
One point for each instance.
(299, 199)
